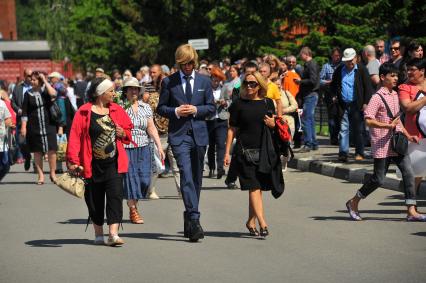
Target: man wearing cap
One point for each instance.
(99, 73)
(352, 86)
(57, 83)
(187, 100)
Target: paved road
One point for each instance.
(42, 237)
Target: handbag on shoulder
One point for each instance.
(55, 112)
(71, 184)
(399, 142)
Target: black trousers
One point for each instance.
(95, 195)
(217, 138)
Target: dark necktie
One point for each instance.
(188, 89)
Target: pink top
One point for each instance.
(376, 109)
(410, 91)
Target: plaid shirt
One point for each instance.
(327, 71)
(376, 110)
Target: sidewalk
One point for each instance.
(324, 161)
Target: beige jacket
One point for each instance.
(289, 106)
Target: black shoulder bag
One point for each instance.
(399, 141)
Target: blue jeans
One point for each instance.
(352, 119)
(308, 120)
(4, 164)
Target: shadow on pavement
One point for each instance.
(377, 211)
(57, 243)
(19, 183)
(343, 218)
(73, 221)
(422, 234)
(402, 203)
(154, 236)
(224, 234)
(216, 188)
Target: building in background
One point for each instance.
(17, 55)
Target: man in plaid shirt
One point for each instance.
(382, 127)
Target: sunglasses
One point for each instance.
(188, 63)
(250, 84)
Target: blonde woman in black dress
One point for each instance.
(248, 117)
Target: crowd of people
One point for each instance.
(126, 130)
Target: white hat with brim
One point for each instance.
(100, 70)
(55, 75)
(348, 54)
(132, 82)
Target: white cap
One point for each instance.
(55, 75)
(348, 54)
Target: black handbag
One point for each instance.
(251, 155)
(55, 112)
(399, 142)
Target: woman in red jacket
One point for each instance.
(95, 149)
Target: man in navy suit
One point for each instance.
(187, 100)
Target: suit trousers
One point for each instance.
(217, 138)
(190, 160)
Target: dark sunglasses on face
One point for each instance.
(250, 84)
(188, 63)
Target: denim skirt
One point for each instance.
(138, 178)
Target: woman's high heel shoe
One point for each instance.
(253, 231)
(264, 231)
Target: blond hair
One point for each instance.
(185, 54)
(263, 85)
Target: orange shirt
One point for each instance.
(289, 84)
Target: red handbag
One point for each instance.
(283, 129)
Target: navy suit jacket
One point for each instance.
(172, 96)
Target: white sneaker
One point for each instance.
(114, 241)
(153, 195)
(99, 240)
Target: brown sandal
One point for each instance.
(135, 218)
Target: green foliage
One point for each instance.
(129, 33)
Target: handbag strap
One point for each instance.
(387, 107)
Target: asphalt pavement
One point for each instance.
(42, 238)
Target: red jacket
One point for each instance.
(79, 151)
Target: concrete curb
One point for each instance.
(353, 175)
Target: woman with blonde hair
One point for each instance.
(252, 117)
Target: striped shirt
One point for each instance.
(140, 124)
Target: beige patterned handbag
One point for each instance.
(72, 184)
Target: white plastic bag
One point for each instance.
(417, 153)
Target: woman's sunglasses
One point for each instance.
(250, 84)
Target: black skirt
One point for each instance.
(249, 176)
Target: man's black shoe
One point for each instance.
(211, 173)
(27, 164)
(220, 173)
(186, 223)
(343, 158)
(231, 185)
(195, 231)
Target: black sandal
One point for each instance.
(253, 231)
